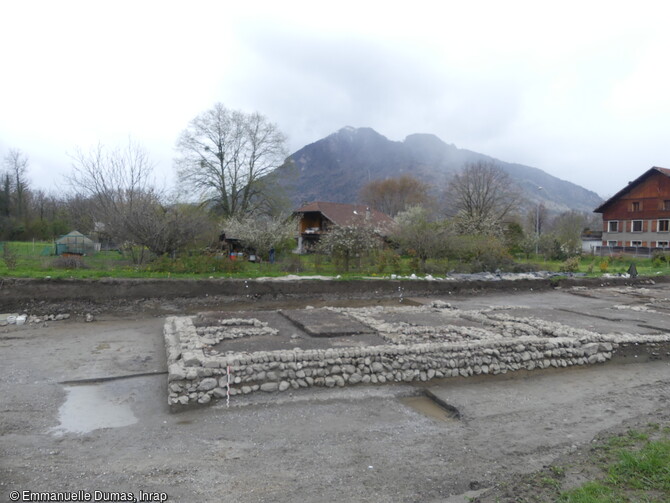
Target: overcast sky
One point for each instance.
(578, 89)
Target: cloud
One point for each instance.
(575, 89)
(323, 82)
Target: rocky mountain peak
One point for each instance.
(335, 168)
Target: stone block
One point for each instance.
(207, 384)
(269, 386)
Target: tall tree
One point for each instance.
(567, 229)
(416, 231)
(481, 196)
(6, 195)
(225, 153)
(117, 184)
(394, 195)
(16, 168)
(262, 233)
(345, 242)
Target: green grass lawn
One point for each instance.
(595, 266)
(629, 467)
(36, 260)
(636, 469)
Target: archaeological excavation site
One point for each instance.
(280, 390)
(212, 355)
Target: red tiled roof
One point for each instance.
(664, 171)
(346, 214)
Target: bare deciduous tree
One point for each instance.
(223, 155)
(567, 229)
(415, 231)
(394, 195)
(81, 211)
(481, 194)
(16, 180)
(5, 196)
(117, 184)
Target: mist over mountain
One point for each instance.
(336, 167)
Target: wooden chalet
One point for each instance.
(639, 214)
(317, 218)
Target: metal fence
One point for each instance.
(635, 251)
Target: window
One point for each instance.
(637, 226)
(611, 243)
(661, 244)
(636, 206)
(613, 226)
(636, 243)
(666, 205)
(663, 225)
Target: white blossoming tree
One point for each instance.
(349, 241)
(262, 233)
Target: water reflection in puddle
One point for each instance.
(429, 408)
(91, 407)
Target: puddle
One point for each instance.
(428, 407)
(91, 407)
(465, 497)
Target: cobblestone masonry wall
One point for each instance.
(198, 374)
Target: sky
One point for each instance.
(577, 89)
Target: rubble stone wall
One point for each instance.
(197, 378)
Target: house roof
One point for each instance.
(346, 214)
(640, 179)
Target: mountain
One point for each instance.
(335, 168)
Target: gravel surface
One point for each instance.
(113, 432)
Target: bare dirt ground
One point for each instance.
(84, 408)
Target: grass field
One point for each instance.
(36, 260)
(597, 266)
(629, 467)
(634, 467)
